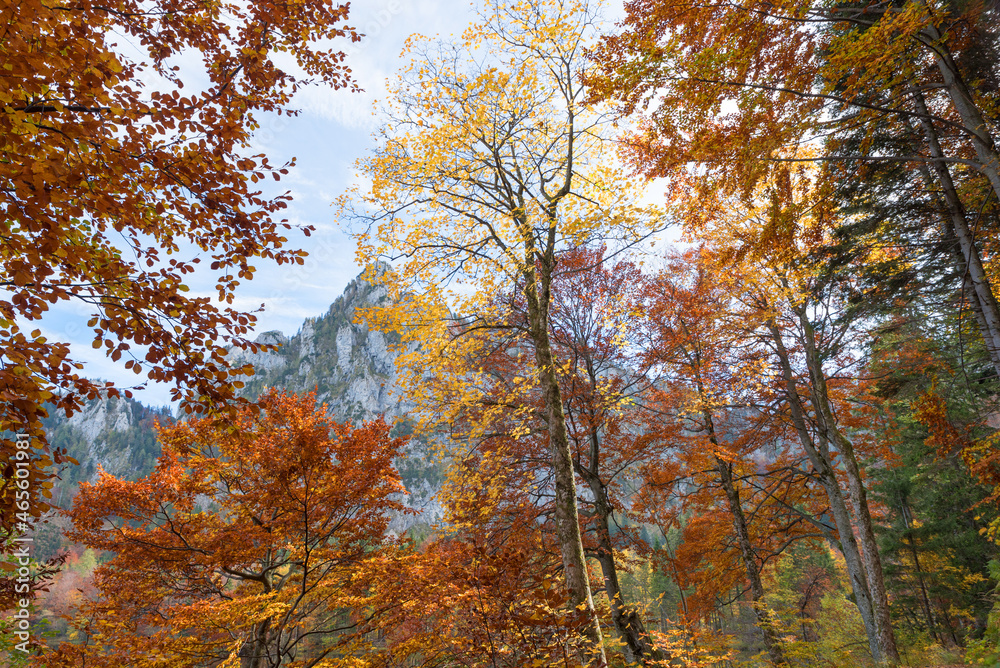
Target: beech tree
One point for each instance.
(710, 372)
(803, 317)
(595, 302)
(489, 165)
(253, 543)
(737, 90)
(121, 171)
(593, 318)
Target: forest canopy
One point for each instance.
(772, 443)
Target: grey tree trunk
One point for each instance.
(972, 117)
(629, 625)
(254, 650)
(947, 210)
(638, 645)
(826, 423)
(537, 292)
(972, 265)
(819, 456)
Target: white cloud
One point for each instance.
(375, 59)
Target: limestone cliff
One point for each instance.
(353, 371)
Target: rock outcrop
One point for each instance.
(353, 370)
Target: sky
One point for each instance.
(333, 130)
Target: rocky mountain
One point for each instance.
(353, 371)
(114, 434)
(351, 368)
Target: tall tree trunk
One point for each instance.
(638, 645)
(869, 547)
(972, 265)
(819, 457)
(826, 422)
(631, 630)
(537, 292)
(769, 634)
(972, 117)
(949, 205)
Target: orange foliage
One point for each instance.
(474, 601)
(931, 410)
(251, 538)
(112, 170)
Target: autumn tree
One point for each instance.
(594, 329)
(804, 317)
(126, 163)
(251, 544)
(737, 90)
(709, 397)
(489, 165)
(895, 103)
(503, 427)
(935, 207)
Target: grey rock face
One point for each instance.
(351, 368)
(264, 360)
(97, 418)
(345, 346)
(116, 435)
(353, 371)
